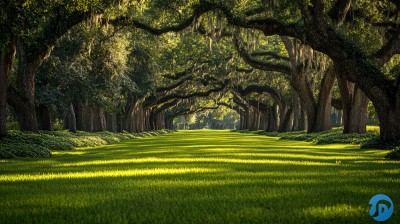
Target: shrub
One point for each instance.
(25, 144)
(376, 143)
(8, 151)
(395, 154)
(335, 135)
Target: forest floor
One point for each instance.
(204, 176)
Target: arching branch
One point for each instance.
(173, 86)
(391, 48)
(173, 96)
(339, 11)
(260, 89)
(179, 75)
(270, 55)
(235, 108)
(262, 65)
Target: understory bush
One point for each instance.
(395, 154)
(377, 143)
(26, 144)
(12, 150)
(335, 135)
(369, 140)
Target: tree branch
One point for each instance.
(235, 108)
(269, 55)
(260, 89)
(389, 49)
(173, 86)
(261, 65)
(191, 95)
(339, 11)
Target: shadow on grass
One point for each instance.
(198, 177)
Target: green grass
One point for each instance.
(334, 135)
(199, 177)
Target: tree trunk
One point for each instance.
(6, 60)
(111, 122)
(88, 118)
(389, 123)
(98, 120)
(262, 121)
(120, 122)
(241, 122)
(128, 124)
(296, 112)
(287, 121)
(70, 119)
(44, 118)
(169, 123)
(79, 114)
(28, 64)
(303, 120)
(303, 89)
(355, 107)
(248, 119)
(272, 122)
(359, 113)
(323, 115)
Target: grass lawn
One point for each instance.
(199, 177)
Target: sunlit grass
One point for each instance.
(199, 177)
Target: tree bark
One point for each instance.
(111, 122)
(99, 123)
(44, 118)
(120, 122)
(88, 115)
(70, 119)
(79, 114)
(28, 64)
(272, 122)
(389, 123)
(303, 120)
(296, 112)
(303, 89)
(287, 121)
(6, 60)
(355, 107)
(323, 116)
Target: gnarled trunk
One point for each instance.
(6, 60)
(323, 115)
(303, 89)
(355, 107)
(287, 123)
(389, 123)
(23, 95)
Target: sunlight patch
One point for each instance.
(200, 160)
(334, 211)
(107, 173)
